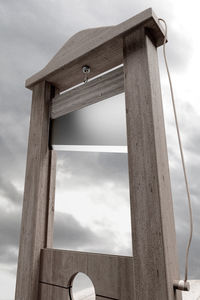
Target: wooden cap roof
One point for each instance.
(100, 48)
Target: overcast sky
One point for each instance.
(31, 32)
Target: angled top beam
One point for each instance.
(100, 48)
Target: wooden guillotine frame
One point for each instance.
(45, 273)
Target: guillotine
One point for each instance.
(121, 58)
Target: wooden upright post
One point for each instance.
(153, 230)
(34, 225)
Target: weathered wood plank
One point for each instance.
(100, 48)
(51, 203)
(166, 204)
(101, 88)
(111, 275)
(104, 298)
(49, 292)
(52, 184)
(33, 227)
(153, 231)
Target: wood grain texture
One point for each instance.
(111, 275)
(101, 88)
(104, 298)
(153, 230)
(48, 292)
(51, 203)
(100, 48)
(33, 227)
(51, 180)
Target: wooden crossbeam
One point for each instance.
(112, 275)
(96, 90)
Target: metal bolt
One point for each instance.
(86, 71)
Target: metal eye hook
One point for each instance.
(86, 71)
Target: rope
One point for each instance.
(181, 152)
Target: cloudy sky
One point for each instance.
(31, 32)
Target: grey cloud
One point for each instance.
(9, 224)
(193, 139)
(194, 265)
(8, 256)
(10, 192)
(9, 236)
(182, 217)
(70, 234)
(94, 168)
(12, 162)
(178, 50)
